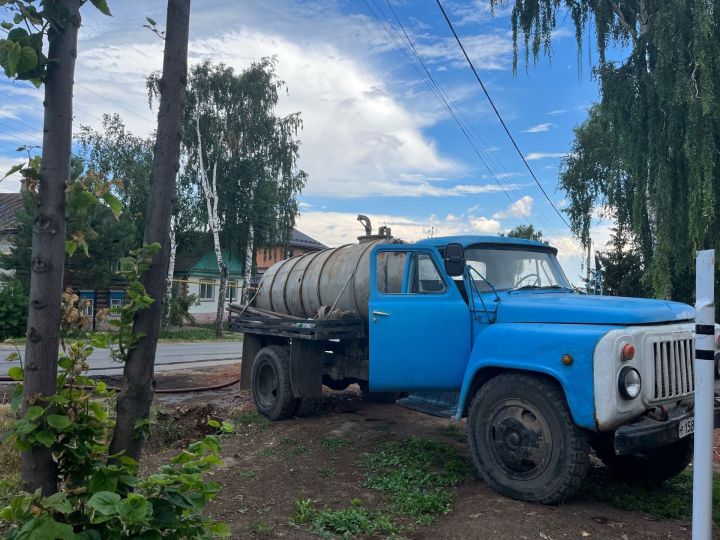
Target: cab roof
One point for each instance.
(468, 240)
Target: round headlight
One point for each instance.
(629, 383)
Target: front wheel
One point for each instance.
(524, 441)
(271, 387)
(653, 467)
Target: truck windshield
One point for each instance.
(515, 268)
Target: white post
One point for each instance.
(704, 394)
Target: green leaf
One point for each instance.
(16, 373)
(133, 510)
(23, 427)
(58, 502)
(102, 5)
(219, 530)
(16, 397)
(70, 247)
(13, 170)
(8, 25)
(150, 21)
(59, 421)
(28, 60)
(104, 502)
(103, 480)
(114, 203)
(34, 412)
(83, 200)
(12, 57)
(45, 438)
(213, 423)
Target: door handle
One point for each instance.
(380, 313)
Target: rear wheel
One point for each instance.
(524, 441)
(271, 387)
(653, 467)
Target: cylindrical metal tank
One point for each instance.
(339, 276)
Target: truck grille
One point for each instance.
(674, 376)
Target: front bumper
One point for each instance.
(649, 433)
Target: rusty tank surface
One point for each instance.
(337, 277)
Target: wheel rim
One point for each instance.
(518, 439)
(267, 386)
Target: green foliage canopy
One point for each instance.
(256, 152)
(649, 151)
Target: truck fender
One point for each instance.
(579, 399)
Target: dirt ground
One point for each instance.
(267, 468)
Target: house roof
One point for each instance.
(300, 239)
(10, 206)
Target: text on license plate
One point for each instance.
(686, 427)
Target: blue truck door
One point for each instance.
(419, 323)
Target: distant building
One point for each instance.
(300, 244)
(10, 206)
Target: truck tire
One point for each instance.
(271, 387)
(523, 439)
(651, 468)
(306, 406)
(377, 397)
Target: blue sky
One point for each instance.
(376, 140)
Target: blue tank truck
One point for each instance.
(488, 329)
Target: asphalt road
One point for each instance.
(170, 356)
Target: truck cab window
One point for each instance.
(390, 270)
(424, 275)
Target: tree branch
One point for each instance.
(630, 29)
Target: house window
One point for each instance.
(207, 290)
(116, 302)
(232, 291)
(87, 308)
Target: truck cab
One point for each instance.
(490, 329)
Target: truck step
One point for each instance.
(437, 403)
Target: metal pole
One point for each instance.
(704, 394)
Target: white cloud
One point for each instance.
(534, 156)
(492, 51)
(557, 112)
(485, 226)
(11, 184)
(521, 208)
(539, 128)
(358, 139)
(337, 228)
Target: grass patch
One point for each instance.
(333, 443)
(416, 474)
(9, 458)
(327, 472)
(198, 334)
(260, 527)
(289, 448)
(250, 418)
(672, 500)
(247, 474)
(355, 520)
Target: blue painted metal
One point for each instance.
(539, 348)
(569, 308)
(407, 352)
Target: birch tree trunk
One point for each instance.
(249, 261)
(135, 398)
(211, 202)
(38, 468)
(169, 279)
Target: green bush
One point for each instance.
(178, 310)
(13, 309)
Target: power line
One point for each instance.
(115, 103)
(443, 97)
(497, 113)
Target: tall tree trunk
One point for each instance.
(222, 290)
(48, 243)
(134, 400)
(249, 261)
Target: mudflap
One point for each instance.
(306, 368)
(251, 346)
(437, 403)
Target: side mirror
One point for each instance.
(454, 259)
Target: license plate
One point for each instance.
(686, 427)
